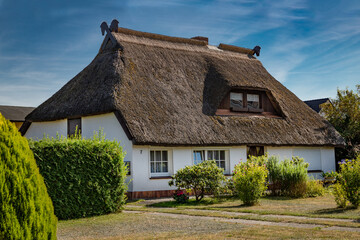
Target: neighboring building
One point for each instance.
(315, 104)
(173, 102)
(15, 114)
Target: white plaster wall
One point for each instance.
(182, 157)
(310, 155)
(49, 128)
(328, 159)
(179, 157)
(112, 130)
(281, 152)
(237, 154)
(319, 158)
(141, 171)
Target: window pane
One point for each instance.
(152, 166)
(222, 155)
(164, 167)
(216, 155)
(158, 156)
(210, 155)
(151, 156)
(164, 156)
(236, 100)
(158, 166)
(253, 101)
(222, 164)
(198, 157)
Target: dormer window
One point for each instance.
(245, 102)
(248, 102)
(253, 101)
(236, 101)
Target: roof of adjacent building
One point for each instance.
(15, 113)
(315, 103)
(166, 90)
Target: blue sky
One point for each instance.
(312, 47)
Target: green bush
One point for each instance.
(250, 181)
(26, 210)
(349, 179)
(203, 178)
(288, 177)
(340, 195)
(85, 177)
(314, 188)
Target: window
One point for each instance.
(217, 155)
(255, 151)
(159, 162)
(199, 156)
(236, 101)
(253, 101)
(74, 124)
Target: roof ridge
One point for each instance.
(161, 37)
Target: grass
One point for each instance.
(146, 226)
(324, 207)
(165, 220)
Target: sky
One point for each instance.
(312, 47)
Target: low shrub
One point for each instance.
(349, 179)
(203, 178)
(340, 195)
(180, 196)
(314, 188)
(288, 177)
(250, 181)
(26, 210)
(85, 177)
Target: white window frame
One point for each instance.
(169, 161)
(205, 150)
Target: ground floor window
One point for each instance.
(159, 162)
(218, 155)
(255, 151)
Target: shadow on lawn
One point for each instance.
(335, 211)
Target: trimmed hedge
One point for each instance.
(26, 211)
(85, 177)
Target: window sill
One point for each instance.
(160, 177)
(315, 171)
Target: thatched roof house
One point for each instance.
(170, 91)
(15, 114)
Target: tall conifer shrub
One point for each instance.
(26, 210)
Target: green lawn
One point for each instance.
(188, 221)
(324, 207)
(147, 226)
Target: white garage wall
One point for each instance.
(49, 128)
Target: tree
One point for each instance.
(26, 210)
(344, 114)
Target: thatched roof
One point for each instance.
(15, 113)
(166, 91)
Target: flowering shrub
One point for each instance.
(180, 196)
(340, 196)
(250, 181)
(203, 178)
(349, 179)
